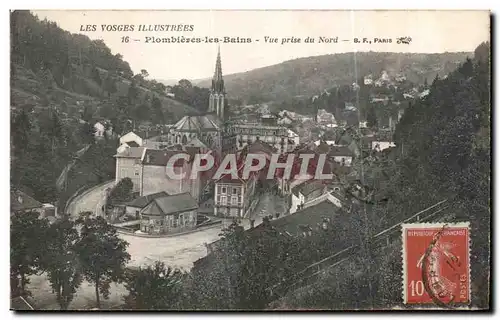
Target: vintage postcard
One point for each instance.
(250, 160)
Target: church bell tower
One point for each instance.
(216, 103)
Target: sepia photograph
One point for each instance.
(250, 160)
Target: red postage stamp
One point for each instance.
(436, 264)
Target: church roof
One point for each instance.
(198, 123)
(196, 143)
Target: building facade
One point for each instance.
(169, 215)
(129, 165)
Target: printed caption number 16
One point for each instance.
(417, 287)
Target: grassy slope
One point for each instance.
(26, 88)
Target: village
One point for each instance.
(178, 221)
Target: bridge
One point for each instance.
(311, 273)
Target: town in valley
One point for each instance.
(99, 222)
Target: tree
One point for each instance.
(96, 76)
(102, 253)
(144, 73)
(157, 111)
(87, 133)
(110, 85)
(122, 191)
(371, 118)
(61, 261)
(133, 92)
(155, 287)
(20, 132)
(27, 247)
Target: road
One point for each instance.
(91, 200)
(178, 252)
(269, 204)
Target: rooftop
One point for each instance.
(340, 151)
(195, 123)
(175, 203)
(132, 152)
(309, 186)
(162, 157)
(143, 201)
(309, 217)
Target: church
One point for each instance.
(218, 133)
(211, 128)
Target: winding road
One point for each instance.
(90, 200)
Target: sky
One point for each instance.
(430, 31)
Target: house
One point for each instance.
(293, 140)
(368, 81)
(234, 196)
(128, 165)
(169, 214)
(125, 145)
(275, 135)
(155, 177)
(341, 154)
(22, 202)
(382, 145)
(349, 106)
(306, 192)
(309, 221)
(328, 142)
(133, 208)
(285, 119)
(129, 137)
(325, 117)
(103, 128)
(157, 142)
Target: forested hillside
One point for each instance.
(61, 84)
(311, 75)
(443, 152)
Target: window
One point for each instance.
(235, 190)
(136, 172)
(223, 200)
(234, 200)
(224, 190)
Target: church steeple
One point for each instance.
(217, 93)
(217, 80)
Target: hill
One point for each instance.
(443, 151)
(311, 75)
(60, 85)
(50, 66)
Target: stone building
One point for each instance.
(169, 214)
(129, 165)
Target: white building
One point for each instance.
(341, 154)
(306, 192)
(102, 129)
(131, 137)
(382, 145)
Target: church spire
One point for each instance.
(217, 81)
